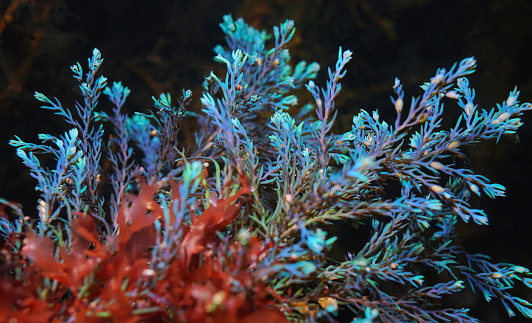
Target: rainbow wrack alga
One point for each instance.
(131, 225)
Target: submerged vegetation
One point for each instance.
(239, 227)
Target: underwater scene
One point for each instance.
(265, 161)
